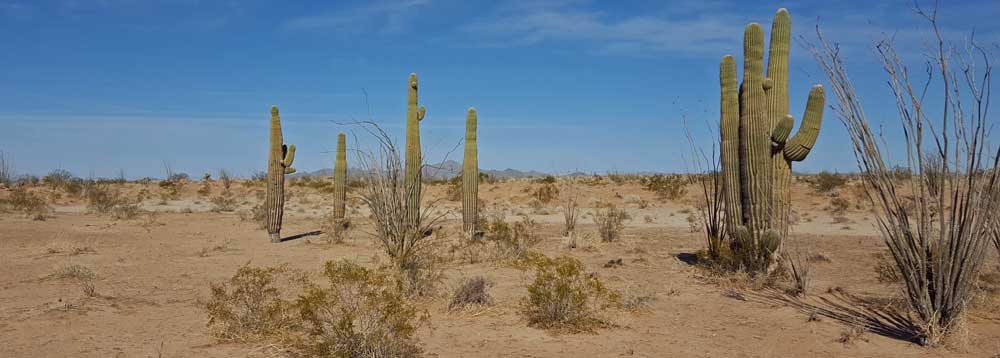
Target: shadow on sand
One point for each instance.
(848, 309)
(299, 236)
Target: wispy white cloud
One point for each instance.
(699, 34)
(389, 16)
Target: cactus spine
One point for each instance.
(340, 180)
(470, 176)
(756, 152)
(414, 114)
(279, 163)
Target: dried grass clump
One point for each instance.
(358, 313)
(510, 241)
(472, 292)
(610, 223)
(564, 296)
(73, 272)
(937, 243)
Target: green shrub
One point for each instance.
(249, 306)
(360, 313)
(564, 296)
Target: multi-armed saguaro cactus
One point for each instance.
(279, 163)
(470, 176)
(340, 181)
(414, 162)
(756, 151)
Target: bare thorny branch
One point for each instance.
(939, 242)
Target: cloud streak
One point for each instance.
(393, 16)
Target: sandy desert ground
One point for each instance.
(153, 275)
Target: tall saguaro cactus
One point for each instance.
(414, 162)
(279, 163)
(470, 176)
(756, 151)
(340, 180)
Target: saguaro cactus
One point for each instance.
(279, 163)
(756, 151)
(340, 180)
(414, 162)
(470, 176)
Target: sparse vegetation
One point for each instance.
(564, 296)
(546, 193)
(510, 240)
(610, 223)
(249, 306)
(826, 182)
(27, 203)
(666, 187)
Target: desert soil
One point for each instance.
(153, 275)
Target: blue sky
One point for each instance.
(560, 85)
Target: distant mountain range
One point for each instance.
(441, 171)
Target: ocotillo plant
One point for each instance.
(756, 151)
(340, 181)
(470, 176)
(279, 163)
(414, 114)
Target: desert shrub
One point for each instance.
(101, 199)
(226, 178)
(510, 240)
(548, 179)
(610, 222)
(666, 187)
(359, 313)
(224, 202)
(472, 291)
(248, 306)
(885, 268)
(839, 205)
(564, 296)
(28, 203)
(205, 189)
(546, 193)
(825, 182)
(57, 178)
(939, 244)
(257, 215)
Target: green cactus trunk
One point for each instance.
(414, 163)
(756, 152)
(340, 179)
(470, 176)
(279, 163)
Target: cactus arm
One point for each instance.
(799, 146)
(421, 112)
(781, 132)
(730, 136)
(289, 155)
